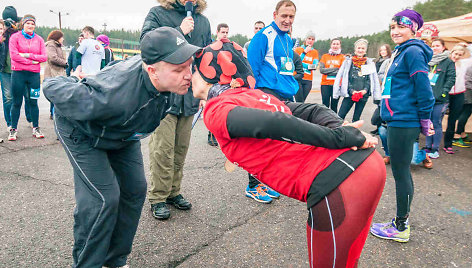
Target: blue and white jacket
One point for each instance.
(411, 97)
(266, 49)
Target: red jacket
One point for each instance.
(286, 167)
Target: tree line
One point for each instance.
(431, 10)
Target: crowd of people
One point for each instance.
(253, 96)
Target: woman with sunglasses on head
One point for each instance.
(314, 164)
(407, 103)
(27, 51)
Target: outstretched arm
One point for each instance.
(262, 124)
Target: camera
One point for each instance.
(9, 22)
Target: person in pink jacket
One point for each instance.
(27, 51)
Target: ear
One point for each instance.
(275, 13)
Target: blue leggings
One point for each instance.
(19, 81)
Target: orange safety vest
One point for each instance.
(331, 61)
(309, 58)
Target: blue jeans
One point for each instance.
(432, 142)
(383, 139)
(5, 80)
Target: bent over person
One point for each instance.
(321, 164)
(99, 121)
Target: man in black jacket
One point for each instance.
(169, 144)
(99, 121)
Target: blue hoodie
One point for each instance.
(411, 96)
(264, 53)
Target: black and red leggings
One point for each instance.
(338, 226)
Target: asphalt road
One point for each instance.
(224, 228)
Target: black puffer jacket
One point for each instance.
(171, 14)
(446, 69)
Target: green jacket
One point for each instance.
(446, 80)
(201, 36)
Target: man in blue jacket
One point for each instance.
(271, 56)
(99, 121)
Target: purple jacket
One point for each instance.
(34, 46)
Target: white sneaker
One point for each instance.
(8, 129)
(12, 135)
(37, 133)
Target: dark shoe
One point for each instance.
(212, 140)
(160, 211)
(179, 202)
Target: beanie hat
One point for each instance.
(361, 41)
(103, 38)
(10, 13)
(27, 18)
(224, 62)
(310, 34)
(410, 19)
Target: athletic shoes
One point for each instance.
(179, 202)
(448, 150)
(257, 193)
(271, 193)
(12, 135)
(389, 231)
(37, 133)
(460, 143)
(160, 211)
(434, 155)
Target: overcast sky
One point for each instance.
(327, 18)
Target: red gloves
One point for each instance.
(357, 96)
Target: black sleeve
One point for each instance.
(297, 61)
(262, 124)
(315, 113)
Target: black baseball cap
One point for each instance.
(166, 44)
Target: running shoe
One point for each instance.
(426, 149)
(434, 155)
(448, 150)
(160, 211)
(258, 194)
(37, 133)
(269, 191)
(389, 231)
(12, 135)
(460, 143)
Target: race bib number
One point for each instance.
(35, 93)
(433, 78)
(387, 88)
(331, 77)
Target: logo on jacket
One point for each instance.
(97, 47)
(180, 41)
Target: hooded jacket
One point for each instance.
(56, 64)
(411, 97)
(171, 13)
(116, 106)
